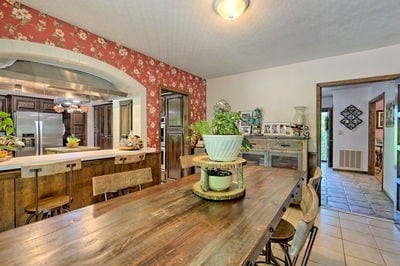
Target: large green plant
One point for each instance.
(224, 123)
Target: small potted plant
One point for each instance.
(222, 139)
(8, 142)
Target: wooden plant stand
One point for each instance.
(202, 189)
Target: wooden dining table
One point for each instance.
(162, 225)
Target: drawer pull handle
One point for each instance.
(271, 230)
(285, 145)
(283, 209)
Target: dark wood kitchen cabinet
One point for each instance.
(3, 104)
(75, 123)
(103, 130)
(22, 103)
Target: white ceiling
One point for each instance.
(189, 34)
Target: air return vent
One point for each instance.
(350, 160)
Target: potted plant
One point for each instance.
(219, 180)
(72, 141)
(222, 139)
(8, 142)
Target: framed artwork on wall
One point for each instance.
(379, 119)
(389, 114)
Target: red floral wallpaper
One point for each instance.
(24, 23)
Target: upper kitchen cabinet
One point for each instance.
(3, 104)
(22, 103)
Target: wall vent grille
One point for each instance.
(350, 160)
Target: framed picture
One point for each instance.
(245, 125)
(246, 116)
(389, 114)
(245, 130)
(274, 129)
(379, 119)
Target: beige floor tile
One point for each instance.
(326, 219)
(355, 226)
(388, 245)
(352, 217)
(358, 237)
(329, 212)
(326, 256)
(381, 223)
(329, 242)
(391, 259)
(363, 252)
(352, 261)
(392, 234)
(329, 230)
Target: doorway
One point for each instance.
(173, 129)
(326, 136)
(376, 137)
(352, 195)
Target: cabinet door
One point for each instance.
(3, 104)
(174, 150)
(78, 126)
(46, 106)
(20, 103)
(125, 117)
(103, 126)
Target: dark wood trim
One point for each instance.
(321, 85)
(371, 133)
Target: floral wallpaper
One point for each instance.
(26, 24)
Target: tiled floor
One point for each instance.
(349, 239)
(354, 192)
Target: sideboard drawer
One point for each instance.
(285, 144)
(259, 144)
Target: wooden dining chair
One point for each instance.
(118, 181)
(48, 206)
(286, 232)
(187, 161)
(314, 181)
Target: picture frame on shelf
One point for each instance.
(277, 128)
(380, 119)
(245, 130)
(246, 117)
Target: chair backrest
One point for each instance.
(132, 158)
(50, 168)
(117, 181)
(187, 160)
(315, 180)
(309, 206)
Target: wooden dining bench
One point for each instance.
(118, 181)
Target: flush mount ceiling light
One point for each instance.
(230, 9)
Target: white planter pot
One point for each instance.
(223, 148)
(219, 183)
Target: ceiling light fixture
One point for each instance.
(230, 9)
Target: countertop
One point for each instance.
(15, 163)
(67, 149)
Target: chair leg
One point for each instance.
(28, 220)
(268, 252)
(313, 234)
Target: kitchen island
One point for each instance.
(161, 225)
(54, 150)
(17, 192)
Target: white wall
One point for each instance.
(344, 138)
(277, 90)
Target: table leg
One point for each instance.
(204, 179)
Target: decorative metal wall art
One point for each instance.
(351, 117)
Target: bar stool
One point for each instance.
(132, 158)
(48, 205)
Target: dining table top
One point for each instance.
(162, 225)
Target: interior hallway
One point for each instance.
(355, 193)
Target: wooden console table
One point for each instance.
(164, 225)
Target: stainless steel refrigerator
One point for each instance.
(38, 131)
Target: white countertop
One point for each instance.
(16, 163)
